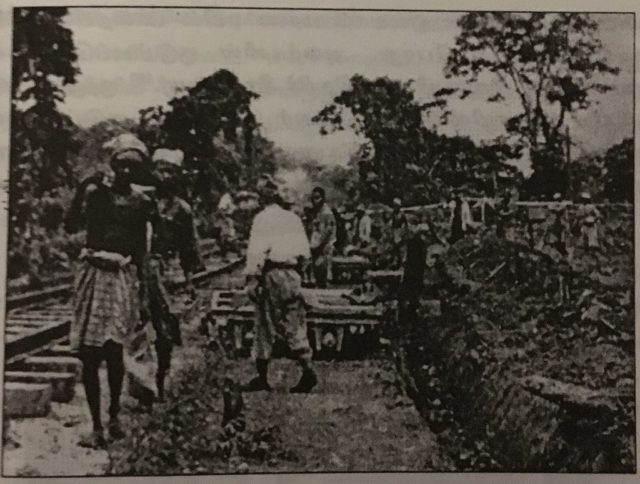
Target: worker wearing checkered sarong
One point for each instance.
(110, 284)
(280, 313)
(174, 235)
(106, 300)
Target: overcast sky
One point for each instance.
(298, 61)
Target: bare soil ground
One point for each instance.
(49, 446)
(355, 420)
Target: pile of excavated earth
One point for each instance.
(561, 328)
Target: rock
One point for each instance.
(27, 399)
(64, 364)
(62, 383)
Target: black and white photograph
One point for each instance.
(318, 239)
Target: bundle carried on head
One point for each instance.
(126, 144)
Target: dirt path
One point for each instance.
(355, 420)
(49, 446)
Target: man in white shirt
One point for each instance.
(363, 235)
(460, 219)
(323, 236)
(277, 248)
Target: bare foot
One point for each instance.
(93, 440)
(115, 431)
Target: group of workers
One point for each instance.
(356, 234)
(553, 228)
(136, 223)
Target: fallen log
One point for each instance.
(574, 397)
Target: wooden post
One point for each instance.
(495, 184)
(568, 162)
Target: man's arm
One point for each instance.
(189, 251)
(256, 248)
(299, 241)
(256, 256)
(300, 244)
(75, 218)
(327, 229)
(144, 258)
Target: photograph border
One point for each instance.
(421, 474)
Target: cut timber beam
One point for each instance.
(57, 350)
(62, 383)
(574, 397)
(60, 364)
(22, 400)
(311, 321)
(339, 314)
(32, 341)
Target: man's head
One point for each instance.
(414, 224)
(360, 209)
(287, 200)
(167, 167)
(395, 205)
(268, 190)
(127, 156)
(317, 197)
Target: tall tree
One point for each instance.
(619, 176)
(400, 157)
(213, 124)
(387, 115)
(44, 61)
(150, 127)
(552, 62)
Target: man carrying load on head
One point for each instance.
(110, 289)
(174, 235)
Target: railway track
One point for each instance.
(61, 286)
(39, 365)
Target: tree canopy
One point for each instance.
(606, 175)
(213, 124)
(400, 157)
(387, 115)
(552, 62)
(618, 176)
(44, 61)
